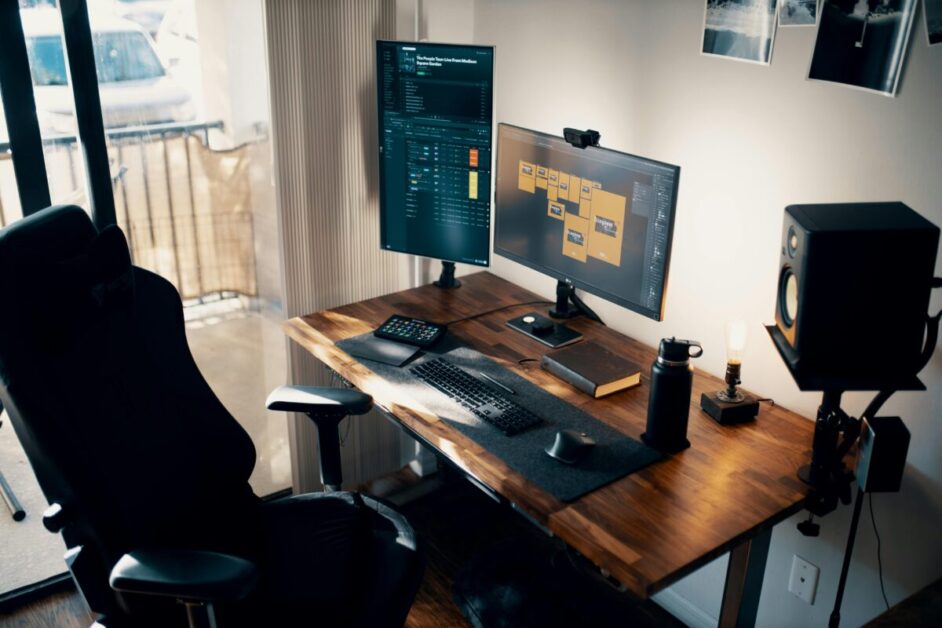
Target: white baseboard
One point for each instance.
(684, 610)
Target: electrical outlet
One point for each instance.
(803, 581)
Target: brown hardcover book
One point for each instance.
(592, 368)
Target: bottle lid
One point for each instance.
(677, 350)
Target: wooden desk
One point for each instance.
(648, 529)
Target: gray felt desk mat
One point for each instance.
(614, 455)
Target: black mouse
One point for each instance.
(570, 446)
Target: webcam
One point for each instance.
(581, 139)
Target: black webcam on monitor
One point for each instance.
(581, 139)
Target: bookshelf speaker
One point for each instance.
(853, 294)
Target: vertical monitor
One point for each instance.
(598, 219)
(435, 143)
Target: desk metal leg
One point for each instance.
(744, 582)
(424, 462)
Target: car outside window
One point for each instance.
(46, 61)
(125, 56)
(119, 56)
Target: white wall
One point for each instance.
(750, 140)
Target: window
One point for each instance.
(190, 170)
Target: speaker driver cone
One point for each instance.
(788, 297)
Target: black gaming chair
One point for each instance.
(147, 472)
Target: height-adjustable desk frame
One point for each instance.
(646, 530)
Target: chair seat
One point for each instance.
(331, 559)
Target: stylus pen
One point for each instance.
(495, 382)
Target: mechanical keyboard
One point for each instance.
(474, 395)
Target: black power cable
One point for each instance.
(873, 520)
(497, 309)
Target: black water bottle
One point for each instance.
(669, 400)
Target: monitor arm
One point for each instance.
(569, 305)
(447, 279)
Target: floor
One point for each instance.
(923, 608)
(457, 524)
(242, 354)
(28, 553)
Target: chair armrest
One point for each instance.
(326, 407)
(318, 400)
(184, 574)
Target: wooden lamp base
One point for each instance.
(729, 413)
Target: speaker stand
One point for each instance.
(828, 424)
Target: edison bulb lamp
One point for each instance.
(736, 335)
(732, 405)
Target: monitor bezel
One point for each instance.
(379, 166)
(657, 314)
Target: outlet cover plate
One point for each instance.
(803, 581)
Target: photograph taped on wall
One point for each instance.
(740, 29)
(862, 43)
(934, 21)
(798, 13)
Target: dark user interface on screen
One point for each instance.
(598, 218)
(435, 113)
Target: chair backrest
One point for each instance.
(116, 419)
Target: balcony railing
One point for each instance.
(186, 209)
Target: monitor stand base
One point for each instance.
(447, 280)
(569, 305)
(542, 329)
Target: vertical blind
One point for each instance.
(321, 58)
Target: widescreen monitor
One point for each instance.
(595, 218)
(435, 144)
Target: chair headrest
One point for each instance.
(52, 234)
(103, 270)
(59, 270)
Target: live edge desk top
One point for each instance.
(648, 529)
